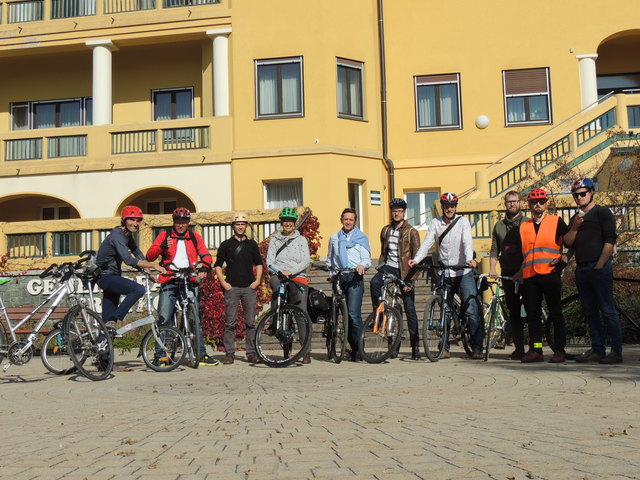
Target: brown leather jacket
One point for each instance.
(408, 244)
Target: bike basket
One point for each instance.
(318, 300)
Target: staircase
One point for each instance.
(318, 280)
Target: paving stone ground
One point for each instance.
(455, 419)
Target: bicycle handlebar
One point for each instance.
(285, 278)
(190, 271)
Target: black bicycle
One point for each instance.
(284, 332)
(336, 327)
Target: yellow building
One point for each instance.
(241, 104)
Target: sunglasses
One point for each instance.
(537, 202)
(580, 194)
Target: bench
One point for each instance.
(18, 313)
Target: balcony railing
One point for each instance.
(27, 245)
(71, 146)
(23, 149)
(30, 11)
(71, 243)
(214, 235)
(143, 141)
(72, 8)
(596, 126)
(186, 3)
(122, 6)
(185, 138)
(633, 114)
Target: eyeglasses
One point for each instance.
(580, 194)
(540, 201)
(449, 205)
(512, 202)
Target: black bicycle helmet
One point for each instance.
(398, 203)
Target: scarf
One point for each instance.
(357, 238)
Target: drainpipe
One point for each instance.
(383, 101)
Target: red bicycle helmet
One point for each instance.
(538, 194)
(450, 198)
(131, 211)
(181, 212)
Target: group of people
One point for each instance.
(532, 252)
(529, 250)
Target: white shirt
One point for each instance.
(181, 260)
(392, 253)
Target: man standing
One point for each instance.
(118, 247)
(453, 233)
(541, 246)
(399, 242)
(592, 235)
(181, 248)
(241, 255)
(349, 248)
(505, 243)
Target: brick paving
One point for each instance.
(454, 419)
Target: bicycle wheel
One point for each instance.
(163, 360)
(88, 342)
(434, 329)
(493, 327)
(192, 357)
(578, 334)
(340, 330)
(380, 339)
(279, 345)
(54, 354)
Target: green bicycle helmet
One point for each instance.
(289, 214)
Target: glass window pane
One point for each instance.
(283, 194)
(515, 109)
(20, 116)
(267, 89)
(45, 115)
(426, 106)
(64, 213)
(343, 94)
(449, 104)
(88, 111)
(291, 88)
(70, 114)
(538, 107)
(48, 213)
(184, 104)
(163, 105)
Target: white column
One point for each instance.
(102, 75)
(220, 39)
(588, 79)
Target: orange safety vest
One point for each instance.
(540, 251)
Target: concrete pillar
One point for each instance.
(221, 95)
(588, 81)
(482, 183)
(622, 117)
(102, 80)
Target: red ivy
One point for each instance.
(212, 313)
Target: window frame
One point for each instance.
(417, 83)
(174, 103)
(31, 115)
(350, 65)
(358, 184)
(266, 183)
(161, 204)
(527, 96)
(56, 207)
(421, 226)
(278, 61)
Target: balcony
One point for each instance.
(86, 148)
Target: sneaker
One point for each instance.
(477, 355)
(229, 359)
(111, 325)
(558, 357)
(306, 358)
(613, 357)
(589, 357)
(445, 354)
(162, 361)
(532, 356)
(415, 354)
(355, 357)
(516, 355)
(206, 360)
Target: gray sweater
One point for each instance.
(294, 257)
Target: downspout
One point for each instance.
(383, 101)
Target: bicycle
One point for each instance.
(495, 312)
(442, 315)
(382, 330)
(336, 327)
(283, 334)
(189, 323)
(90, 343)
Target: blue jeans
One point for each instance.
(595, 288)
(352, 285)
(169, 295)
(408, 299)
(466, 288)
(114, 286)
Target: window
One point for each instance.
(28, 11)
(350, 89)
(438, 101)
(420, 207)
(172, 104)
(72, 8)
(158, 207)
(51, 114)
(526, 96)
(62, 212)
(279, 88)
(287, 193)
(355, 200)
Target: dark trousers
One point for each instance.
(514, 305)
(352, 286)
(232, 299)
(408, 299)
(113, 287)
(534, 289)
